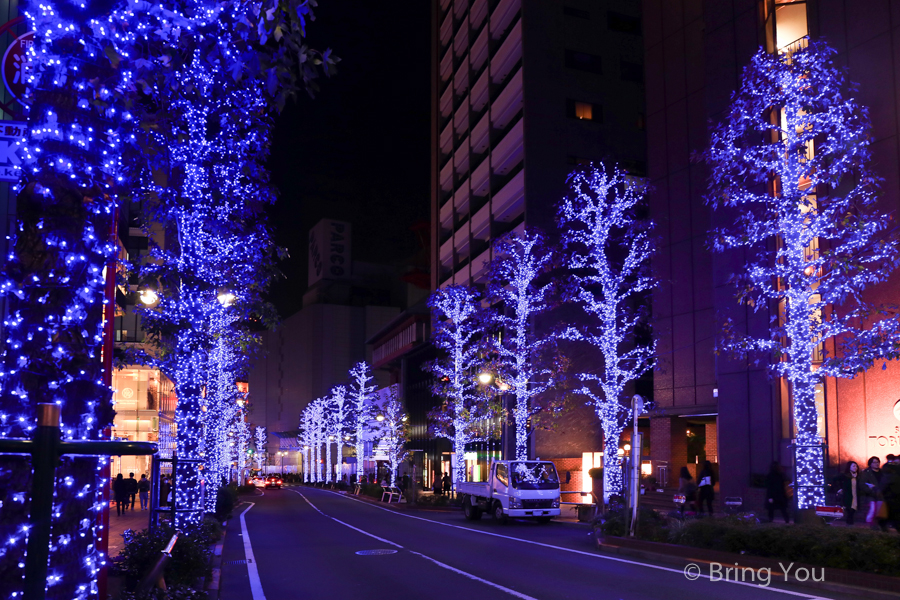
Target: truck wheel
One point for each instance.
(468, 509)
(499, 516)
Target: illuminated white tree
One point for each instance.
(804, 198)
(362, 400)
(317, 416)
(608, 250)
(459, 331)
(337, 423)
(394, 432)
(519, 281)
(306, 441)
(261, 443)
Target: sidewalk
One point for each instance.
(132, 519)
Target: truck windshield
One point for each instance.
(534, 476)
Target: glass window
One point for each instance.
(534, 476)
(623, 23)
(503, 475)
(576, 12)
(790, 23)
(584, 61)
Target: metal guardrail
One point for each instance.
(45, 448)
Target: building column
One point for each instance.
(712, 443)
(661, 449)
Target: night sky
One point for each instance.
(360, 150)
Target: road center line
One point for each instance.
(594, 555)
(252, 571)
(509, 591)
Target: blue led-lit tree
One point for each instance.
(362, 398)
(306, 441)
(519, 281)
(261, 439)
(338, 424)
(460, 328)
(608, 250)
(791, 162)
(394, 432)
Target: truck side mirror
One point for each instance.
(568, 476)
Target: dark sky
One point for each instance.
(360, 150)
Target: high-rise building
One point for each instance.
(522, 91)
(709, 406)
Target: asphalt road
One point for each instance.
(305, 543)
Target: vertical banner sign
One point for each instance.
(16, 65)
(329, 251)
(11, 133)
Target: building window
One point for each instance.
(583, 61)
(584, 110)
(623, 23)
(578, 161)
(576, 12)
(630, 71)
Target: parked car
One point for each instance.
(273, 481)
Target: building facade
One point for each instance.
(694, 54)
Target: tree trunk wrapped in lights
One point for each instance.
(608, 252)
(394, 433)
(362, 398)
(468, 411)
(519, 280)
(791, 162)
(337, 423)
(261, 440)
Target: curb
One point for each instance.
(213, 581)
(654, 551)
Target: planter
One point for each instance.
(586, 512)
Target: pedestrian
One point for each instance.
(871, 484)
(120, 493)
(776, 496)
(706, 483)
(164, 487)
(437, 483)
(404, 482)
(890, 490)
(131, 482)
(688, 489)
(144, 492)
(448, 485)
(849, 491)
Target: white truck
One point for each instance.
(514, 489)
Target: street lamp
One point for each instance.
(485, 378)
(225, 296)
(379, 417)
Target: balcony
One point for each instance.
(461, 242)
(459, 8)
(461, 41)
(447, 102)
(509, 151)
(479, 51)
(508, 103)
(509, 202)
(446, 30)
(508, 55)
(445, 4)
(503, 15)
(480, 267)
(481, 136)
(479, 97)
(462, 276)
(481, 224)
(447, 253)
(461, 119)
(447, 216)
(447, 140)
(461, 158)
(461, 200)
(446, 66)
(447, 177)
(461, 79)
(481, 178)
(477, 14)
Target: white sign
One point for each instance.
(329, 251)
(11, 133)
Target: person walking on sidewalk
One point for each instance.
(890, 490)
(144, 492)
(850, 491)
(688, 489)
(120, 493)
(776, 496)
(871, 484)
(131, 482)
(707, 482)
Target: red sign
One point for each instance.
(17, 65)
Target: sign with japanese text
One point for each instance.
(11, 133)
(17, 65)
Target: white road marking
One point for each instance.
(470, 576)
(591, 554)
(347, 524)
(252, 571)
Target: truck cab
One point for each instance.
(517, 489)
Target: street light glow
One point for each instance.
(485, 378)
